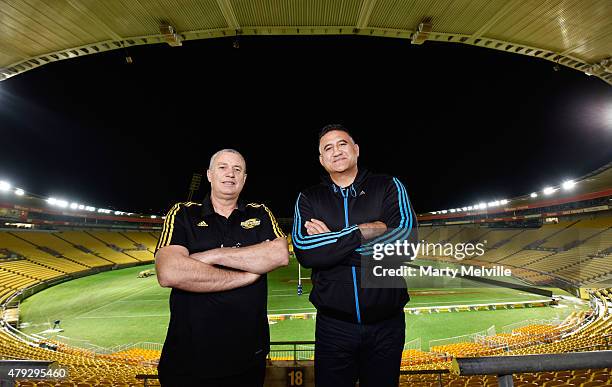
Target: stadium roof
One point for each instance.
(596, 184)
(572, 33)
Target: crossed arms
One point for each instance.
(198, 273)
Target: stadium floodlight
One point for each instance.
(81, 207)
(469, 208)
(52, 201)
(4, 185)
(493, 203)
(19, 192)
(548, 190)
(482, 206)
(452, 210)
(61, 203)
(153, 216)
(464, 208)
(458, 209)
(503, 202)
(74, 206)
(118, 212)
(569, 184)
(534, 195)
(432, 212)
(90, 209)
(444, 211)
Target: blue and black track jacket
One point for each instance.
(336, 257)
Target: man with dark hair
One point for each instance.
(215, 256)
(360, 330)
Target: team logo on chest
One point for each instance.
(250, 223)
(202, 224)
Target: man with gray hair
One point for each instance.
(215, 256)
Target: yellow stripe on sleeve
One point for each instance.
(277, 230)
(166, 235)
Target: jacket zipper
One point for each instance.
(354, 272)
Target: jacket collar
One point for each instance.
(362, 174)
(208, 209)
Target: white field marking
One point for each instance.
(143, 300)
(292, 294)
(112, 302)
(134, 316)
(287, 295)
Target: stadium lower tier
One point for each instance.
(581, 331)
(32, 260)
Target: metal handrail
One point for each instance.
(505, 366)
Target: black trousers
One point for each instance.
(346, 352)
(253, 377)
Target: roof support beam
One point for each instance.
(228, 14)
(591, 39)
(99, 23)
(12, 50)
(503, 11)
(365, 11)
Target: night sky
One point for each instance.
(457, 124)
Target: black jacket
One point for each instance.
(336, 257)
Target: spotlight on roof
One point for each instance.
(503, 202)
(90, 209)
(4, 186)
(482, 206)
(81, 207)
(469, 208)
(74, 206)
(170, 35)
(61, 203)
(534, 195)
(452, 210)
(548, 190)
(569, 184)
(19, 192)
